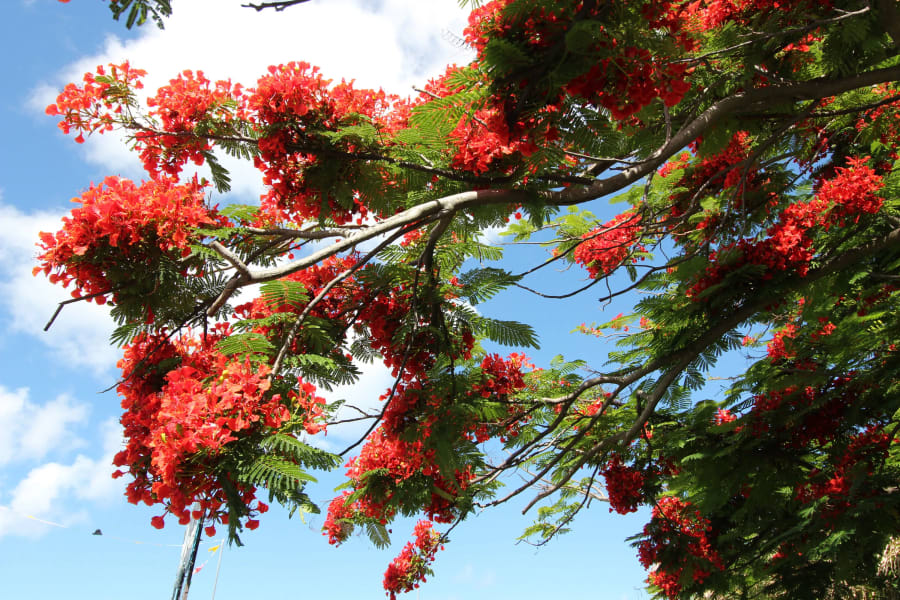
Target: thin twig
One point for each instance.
(278, 6)
(59, 307)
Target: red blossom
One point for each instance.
(295, 105)
(178, 421)
(678, 542)
(120, 220)
(412, 565)
(96, 105)
(185, 103)
(624, 486)
(606, 248)
(788, 246)
(621, 77)
(723, 415)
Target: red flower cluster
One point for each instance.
(395, 462)
(800, 416)
(858, 461)
(294, 107)
(679, 542)
(723, 415)
(624, 486)
(630, 80)
(396, 458)
(184, 404)
(119, 221)
(412, 565)
(621, 77)
(778, 348)
(338, 525)
(788, 245)
(606, 248)
(188, 101)
(501, 377)
(95, 106)
(485, 141)
(721, 171)
(703, 15)
(849, 193)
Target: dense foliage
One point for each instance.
(755, 146)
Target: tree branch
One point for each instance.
(278, 6)
(228, 255)
(60, 306)
(733, 105)
(739, 103)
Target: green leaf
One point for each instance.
(300, 452)
(240, 212)
(283, 292)
(480, 285)
(245, 343)
(220, 177)
(378, 534)
(582, 36)
(508, 333)
(275, 472)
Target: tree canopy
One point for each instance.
(754, 148)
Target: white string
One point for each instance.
(101, 534)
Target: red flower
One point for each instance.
(412, 565)
(606, 248)
(624, 486)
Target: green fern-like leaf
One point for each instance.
(480, 285)
(245, 343)
(300, 452)
(275, 473)
(221, 179)
(282, 292)
(508, 333)
(240, 212)
(378, 534)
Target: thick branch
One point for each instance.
(424, 213)
(739, 103)
(733, 105)
(304, 234)
(232, 258)
(237, 281)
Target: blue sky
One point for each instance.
(59, 432)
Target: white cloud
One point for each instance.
(494, 236)
(32, 431)
(390, 44)
(80, 335)
(58, 492)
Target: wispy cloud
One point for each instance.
(80, 336)
(59, 493)
(32, 431)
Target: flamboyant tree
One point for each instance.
(755, 147)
